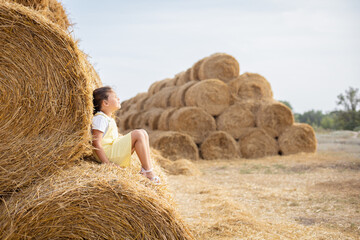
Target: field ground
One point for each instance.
(302, 196)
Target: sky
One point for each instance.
(308, 50)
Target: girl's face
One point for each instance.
(112, 103)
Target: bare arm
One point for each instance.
(99, 150)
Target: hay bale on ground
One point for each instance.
(45, 98)
(184, 78)
(193, 121)
(51, 9)
(250, 86)
(151, 118)
(163, 123)
(212, 95)
(257, 143)
(177, 98)
(194, 73)
(299, 137)
(174, 145)
(236, 118)
(92, 201)
(275, 116)
(219, 145)
(219, 66)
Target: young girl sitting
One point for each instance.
(109, 146)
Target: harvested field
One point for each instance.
(300, 196)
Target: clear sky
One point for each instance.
(309, 50)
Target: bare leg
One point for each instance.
(140, 143)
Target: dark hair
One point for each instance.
(99, 95)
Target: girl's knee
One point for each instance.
(137, 134)
(144, 132)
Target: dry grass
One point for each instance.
(301, 196)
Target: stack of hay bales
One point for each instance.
(210, 111)
(46, 188)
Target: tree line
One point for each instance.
(347, 118)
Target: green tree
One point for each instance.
(286, 103)
(349, 117)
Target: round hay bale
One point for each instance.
(250, 86)
(177, 77)
(161, 99)
(174, 145)
(299, 137)
(219, 145)
(274, 116)
(140, 103)
(177, 98)
(170, 82)
(237, 117)
(92, 201)
(163, 123)
(151, 118)
(219, 66)
(193, 121)
(139, 97)
(51, 9)
(194, 73)
(137, 120)
(212, 95)
(257, 143)
(184, 78)
(182, 167)
(160, 85)
(45, 98)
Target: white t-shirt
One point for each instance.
(101, 123)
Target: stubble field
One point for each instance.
(302, 196)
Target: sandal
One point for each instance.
(155, 179)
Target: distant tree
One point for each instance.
(311, 117)
(286, 103)
(349, 117)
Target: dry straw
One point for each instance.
(274, 116)
(47, 124)
(237, 117)
(257, 143)
(250, 86)
(212, 95)
(160, 99)
(51, 9)
(174, 145)
(184, 78)
(177, 99)
(92, 201)
(194, 73)
(219, 66)
(193, 121)
(299, 137)
(219, 145)
(152, 118)
(163, 123)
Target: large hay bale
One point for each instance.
(257, 143)
(157, 86)
(51, 9)
(45, 100)
(137, 120)
(151, 118)
(193, 121)
(219, 66)
(177, 77)
(174, 145)
(275, 116)
(194, 73)
(160, 99)
(177, 98)
(219, 145)
(212, 95)
(236, 118)
(299, 137)
(163, 123)
(92, 201)
(250, 86)
(184, 78)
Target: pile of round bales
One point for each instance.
(210, 111)
(47, 190)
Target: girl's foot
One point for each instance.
(150, 175)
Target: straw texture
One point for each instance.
(219, 66)
(46, 100)
(219, 145)
(92, 201)
(212, 95)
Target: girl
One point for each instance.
(109, 146)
